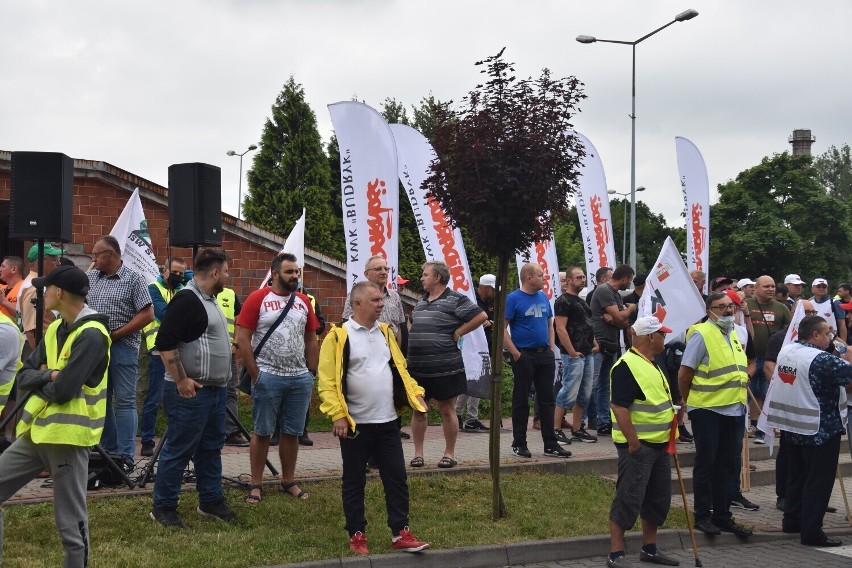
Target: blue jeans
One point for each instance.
(196, 431)
(153, 398)
(119, 435)
(577, 381)
(600, 392)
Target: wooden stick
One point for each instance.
(745, 471)
(845, 498)
(686, 509)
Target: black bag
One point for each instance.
(245, 378)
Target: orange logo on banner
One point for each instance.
(541, 257)
(787, 374)
(601, 230)
(447, 240)
(663, 271)
(380, 228)
(699, 236)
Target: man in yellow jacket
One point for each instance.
(363, 380)
(65, 412)
(642, 417)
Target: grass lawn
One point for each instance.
(447, 511)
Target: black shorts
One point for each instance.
(644, 487)
(444, 387)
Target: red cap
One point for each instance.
(735, 298)
(400, 281)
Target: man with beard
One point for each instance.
(609, 317)
(195, 346)
(283, 372)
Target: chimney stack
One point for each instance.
(801, 141)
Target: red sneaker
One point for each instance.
(358, 543)
(407, 543)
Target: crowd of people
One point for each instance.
(623, 375)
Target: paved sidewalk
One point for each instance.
(322, 461)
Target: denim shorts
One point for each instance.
(281, 398)
(577, 382)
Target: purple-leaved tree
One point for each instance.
(506, 166)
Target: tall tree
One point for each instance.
(291, 172)
(834, 169)
(776, 218)
(506, 166)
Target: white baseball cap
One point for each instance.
(793, 279)
(745, 282)
(647, 325)
(488, 280)
(819, 281)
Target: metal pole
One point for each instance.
(624, 240)
(240, 190)
(633, 167)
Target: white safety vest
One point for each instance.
(793, 406)
(825, 310)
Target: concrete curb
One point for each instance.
(553, 550)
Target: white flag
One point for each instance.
(592, 202)
(442, 242)
(368, 183)
(696, 203)
(131, 232)
(670, 294)
(295, 245)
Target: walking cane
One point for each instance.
(672, 449)
(745, 471)
(845, 498)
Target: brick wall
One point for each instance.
(97, 205)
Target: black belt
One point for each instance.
(536, 349)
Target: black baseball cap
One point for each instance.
(69, 278)
(720, 281)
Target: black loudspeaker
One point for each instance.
(41, 198)
(195, 205)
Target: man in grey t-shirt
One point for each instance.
(609, 317)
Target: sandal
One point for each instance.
(447, 462)
(285, 488)
(417, 462)
(251, 498)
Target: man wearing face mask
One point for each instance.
(162, 290)
(712, 379)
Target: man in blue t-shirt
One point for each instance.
(531, 345)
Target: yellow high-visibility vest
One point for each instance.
(652, 418)
(722, 381)
(78, 422)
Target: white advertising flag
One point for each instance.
(369, 187)
(442, 242)
(592, 203)
(670, 294)
(295, 245)
(131, 232)
(696, 204)
(543, 253)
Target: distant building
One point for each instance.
(101, 191)
(802, 141)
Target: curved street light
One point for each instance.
(240, 191)
(682, 17)
(624, 240)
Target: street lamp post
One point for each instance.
(682, 17)
(240, 191)
(624, 240)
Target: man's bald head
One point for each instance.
(764, 290)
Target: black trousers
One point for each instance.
(718, 443)
(383, 443)
(811, 473)
(782, 465)
(533, 368)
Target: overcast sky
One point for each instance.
(149, 84)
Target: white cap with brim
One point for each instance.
(647, 325)
(488, 280)
(793, 279)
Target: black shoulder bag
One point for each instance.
(245, 378)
